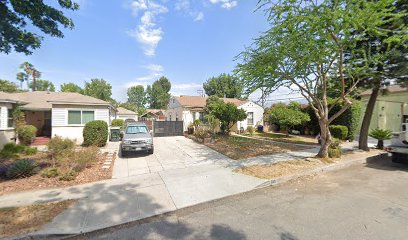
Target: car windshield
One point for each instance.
(136, 129)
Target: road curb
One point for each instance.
(323, 169)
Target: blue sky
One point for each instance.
(135, 42)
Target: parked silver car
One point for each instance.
(136, 138)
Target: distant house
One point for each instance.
(53, 113)
(390, 109)
(124, 114)
(154, 114)
(190, 108)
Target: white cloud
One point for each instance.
(227, 4)
(185, 86)
(155, 68)
(185, 6)
(199, 17)
(148, 33)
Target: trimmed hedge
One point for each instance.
(26, 134)
(95, 133)
(339, 131)
(117, 123)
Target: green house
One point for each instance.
(391, 109)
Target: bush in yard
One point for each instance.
(197, 123)
(12, 150)
(380, 135)
(227, 113)
(68, 175)
(26, 134)
(85, 158)
(335, 149)
(288, 117)
(49, 172)
(59, 146)
(30, 150)
(95, 133)
(339, 131)
(22, 168)
(250, 130)
(118, 123)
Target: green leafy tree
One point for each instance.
(158, 94)
(224, 85)
(305, 50)
(22, 77)
(137, 96)
(7, 86)
(133, 108)
(43, 85)
(71, 87)
(227, 113)
(16, 32)
(98, 88)
(288, 116)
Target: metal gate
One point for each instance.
(168, 128)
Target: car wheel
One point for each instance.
(124, 153)
(151, 151)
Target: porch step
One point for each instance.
(40, 141)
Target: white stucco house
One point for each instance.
(123, 113)
(190, 108)
(53, 113)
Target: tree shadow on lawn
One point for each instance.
(384, 162)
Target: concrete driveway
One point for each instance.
(169, 153)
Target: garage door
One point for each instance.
(168, 128)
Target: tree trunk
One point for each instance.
(325, 139)
(380, 144)
(365, 126)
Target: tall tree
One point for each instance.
(158, 94)
(29, 71)
(71, 87)
(22, 77)
(7, 86)
(224, 85)
(387, 62)
(137, 96)
(304, 51)
(15, 33)
(98, 88)
(44, 85)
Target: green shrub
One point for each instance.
(68, 175)
(49, 172)
(117, 123)
(201, 133)
(197, 123)
(335, 149)
(30, 151)
(22, 168)
(95, 133)
(380, 135)
(85, 158)
(339, 131)
(26, 134)
(59, 146)
(12, 150)
(250, 130)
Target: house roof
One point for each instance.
(155, 111)
(390, 89)
(43, 100)
(8, 97)
(200, 102)
(124, 111)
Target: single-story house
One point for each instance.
(53, 113)
(154, 115)
(390, 110)
(190, 108)
(124, 114)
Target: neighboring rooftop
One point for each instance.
(43, 100)
(390, 89)
(124, 111)
(200, 102)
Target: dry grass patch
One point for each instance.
(281, 137)
(21, 220)
(238, 148)
(276, 170)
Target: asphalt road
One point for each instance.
(360, 202)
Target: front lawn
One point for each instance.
(21, 220)
(238, 148)
(281, 137)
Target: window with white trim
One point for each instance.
(80, 116)
(250, 118)
(10, 121)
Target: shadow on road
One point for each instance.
(384, 162)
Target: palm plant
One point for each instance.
(380, 135)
